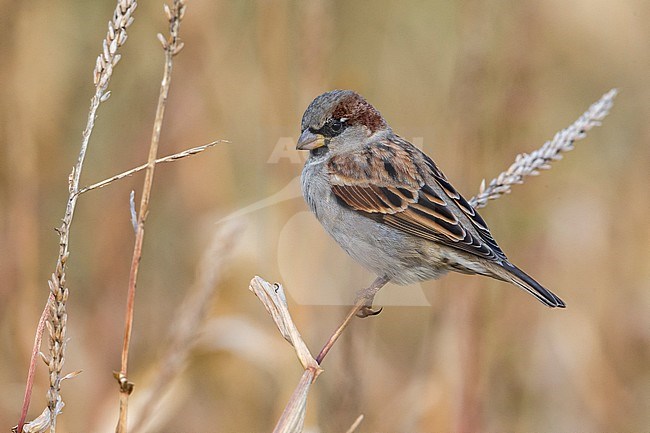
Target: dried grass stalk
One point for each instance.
(172, 46)
(355, 425)
(42, 422)
(292, 419)
(275, 302)
(272, 296)
(169, 158)
(109, 57)
(529, 164)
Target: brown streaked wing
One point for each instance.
(400, 197)
(469, 211)
(422, 218)
(372, 199)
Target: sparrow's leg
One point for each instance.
(368, 296)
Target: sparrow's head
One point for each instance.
(338, 120)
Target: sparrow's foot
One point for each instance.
(368, 296)
(366, 311)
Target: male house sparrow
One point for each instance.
(389, 206)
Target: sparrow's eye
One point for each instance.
(332, 127)
(336, 125)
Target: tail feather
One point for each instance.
(523, 280)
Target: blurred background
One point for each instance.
(473, 83)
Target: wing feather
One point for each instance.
(413, 196)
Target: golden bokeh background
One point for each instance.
(473, 82)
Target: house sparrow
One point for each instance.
(389, 206)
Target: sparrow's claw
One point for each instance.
(367, 311)
(368, 296)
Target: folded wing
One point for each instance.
(404, 189)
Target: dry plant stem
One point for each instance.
(364, 298)
(170, 158)
(355, 424)
(292, 418)
(273, 298)
(529, 164)
(335, 336)
(57, 283)
(106, 61)
(171, 46)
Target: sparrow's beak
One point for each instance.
(308, 140)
